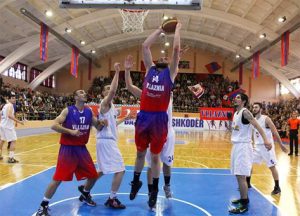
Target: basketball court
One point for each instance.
(254, 43)
(202, 185)
(202, 195)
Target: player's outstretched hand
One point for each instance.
(128, 64)
(117, 66)
(283, 148)
(268, 145)
(179, 25)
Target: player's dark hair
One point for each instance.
(10, 95)
(244, 98)
(259, 104)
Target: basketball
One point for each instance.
(169, 25)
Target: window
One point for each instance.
(295, 82)
(53, 82)
(17, 71)
(49, 82)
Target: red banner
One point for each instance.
(285, 46)
(240, 74)
(74, 62)
(90, 70)
(44, 42)
(255, 65)
(212, 113)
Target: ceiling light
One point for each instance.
(93, 51)
(48, 13)
(248, 47)
(237, 56)
(165, 17)
(282, 19)
(262, 36)
(82, 42)
(68, 30)
(167, 44)
(162, 51)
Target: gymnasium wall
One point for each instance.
(263, 88)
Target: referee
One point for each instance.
(293, 126)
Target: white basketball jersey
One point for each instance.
(258, 140)
(241, 133)
(169, 112)
(109, 132)
(5, 121)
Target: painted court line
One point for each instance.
(25, 136)
(47, 146)
(200, 168)
(29, 177)
(187, 173)
(212, 158)
(26, 164)
(142, 194)
(266, 197)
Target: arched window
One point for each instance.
(295, 82)
(49, 82)
(17, 71)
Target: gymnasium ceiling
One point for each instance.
(222, 27)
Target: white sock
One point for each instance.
(46, 199)
(113, 194)
(11, 154)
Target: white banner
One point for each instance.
(181, 123)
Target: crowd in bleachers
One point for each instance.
(36, 105)
(215, 87)
(280, 112)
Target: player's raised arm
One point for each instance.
(129, 85)
(105, 105)
(147, 56)
(176, 53)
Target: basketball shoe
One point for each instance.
(114, 203)
(86, 197)
(135, 187)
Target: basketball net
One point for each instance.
(133, 20)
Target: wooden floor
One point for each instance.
(197, 150)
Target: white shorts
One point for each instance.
(109, 158)
(167, 153)
(241, 159)
(8, 135)
(261, 154)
